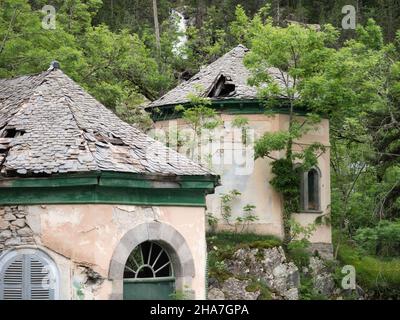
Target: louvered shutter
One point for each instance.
(11, 282)
(39, 279)
(26, 278)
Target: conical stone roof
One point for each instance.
(50, 125)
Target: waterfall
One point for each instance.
(181, 27)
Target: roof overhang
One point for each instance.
(228, 106)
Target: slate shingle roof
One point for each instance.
(50, 125)
(229, 65)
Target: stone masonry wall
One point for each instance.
(13, 227)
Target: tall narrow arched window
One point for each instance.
(310, 190)
(27, 274)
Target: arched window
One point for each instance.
(27, 274)
(148, 260)
(310, 190)
(149, 273)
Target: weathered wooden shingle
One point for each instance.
(50, 125)
(231, 67)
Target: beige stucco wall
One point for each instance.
(252, 178)
(81, 236)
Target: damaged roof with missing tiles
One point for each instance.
(230, 67)
(50, 125)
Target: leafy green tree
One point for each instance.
(113, 66)
(295, 54)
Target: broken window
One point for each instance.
(12, 133)
(223, 87)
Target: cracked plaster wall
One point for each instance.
(81, 239)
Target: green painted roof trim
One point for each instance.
(229, 106)
(108, 187)
(102, 195)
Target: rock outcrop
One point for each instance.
(266, 266)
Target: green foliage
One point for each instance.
(271, 141)
(299, 231)
(180, 294)
(259, 285)
(212, 221)
(199, 115)
(223, 240)
(298, 54)
(216, 265)
(261, 244)
(131, 112)
(113, 66)
(223, 245)
(241, 222)
(299, 243)
(381, 240)
(226, 204)
(381, 278)
(306, 290)
(298, 253)
(242, 123)
(247, 217)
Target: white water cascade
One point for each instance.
(181, 27)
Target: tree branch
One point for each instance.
(10, 27)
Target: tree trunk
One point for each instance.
(156, 25)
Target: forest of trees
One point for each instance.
(110, 47)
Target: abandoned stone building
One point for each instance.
(90, 207)
(225, 83)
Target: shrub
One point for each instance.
(382, 240)
(298, 253)
(306, 290)
(380, 277)
(258, 285)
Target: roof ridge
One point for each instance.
(33, 91)
(31, 75)
(231, 63)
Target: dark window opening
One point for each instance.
(310, 190)
(222, 88)
(12, 133)
(145, 272)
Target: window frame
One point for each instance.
(155, 278)
(304, 195)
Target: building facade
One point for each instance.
(224, 83)
(90, 207)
